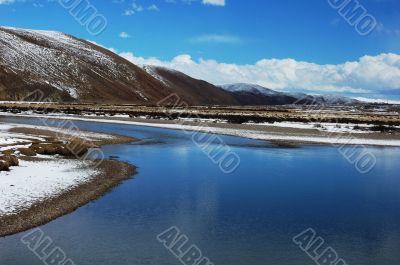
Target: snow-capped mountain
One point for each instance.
(257, 95)
(323, 99)
(338, 100)
(250, 94)
(254, 89)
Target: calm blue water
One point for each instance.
(248, 217)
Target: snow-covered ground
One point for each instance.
(32, 182)
(35, 181)
(8, 138)
(321, 126)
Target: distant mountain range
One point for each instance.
(66, 68)
(249, 94)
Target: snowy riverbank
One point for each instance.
(286, 132)
(45, 180)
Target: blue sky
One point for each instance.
(235, 32)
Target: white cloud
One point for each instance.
(216, 38)
(5, 2)
(368, 74)
(188, 2)
(153, 7)
(124, 35)
(373, 100)
(38, 5)
(129, 12)
(380, 28)
(133, 9)
(214, 2)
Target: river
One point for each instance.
(247, 217)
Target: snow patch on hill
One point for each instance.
(57, 59)
(255, 89)
(151, 70)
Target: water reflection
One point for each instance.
(247, 217)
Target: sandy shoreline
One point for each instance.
(70, 181)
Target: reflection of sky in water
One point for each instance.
(247, 217)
